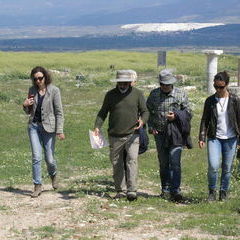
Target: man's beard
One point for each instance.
(123, 90)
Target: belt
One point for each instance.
(37, 122)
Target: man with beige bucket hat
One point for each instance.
(125, 104)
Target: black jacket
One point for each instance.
(178, 131)
(208, 126)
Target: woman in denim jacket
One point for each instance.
(44, 107)
(220, 124)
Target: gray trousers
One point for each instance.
(125, 149)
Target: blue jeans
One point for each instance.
(170, 165)
(40, 139)
(217, 148)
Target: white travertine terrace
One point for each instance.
(168, 27)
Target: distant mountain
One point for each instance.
(177, 11)
(117, 12)
(62, 12)
(220, 36)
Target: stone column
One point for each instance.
(238, 72)
(236, 89)
(212, 61)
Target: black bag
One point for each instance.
(143, 140)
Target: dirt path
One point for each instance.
(60, 215)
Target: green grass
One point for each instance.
(87, 172)
(227, 225)
(51, 232)
(3, 208)
(128, 225)
(46, 231)
(188, 238)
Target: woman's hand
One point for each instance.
(201, 144)
(28, 102)
(61, 136)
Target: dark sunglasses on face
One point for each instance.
(38, 78)
(165, 85)
(219, 87)
(123, 83)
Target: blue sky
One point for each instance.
(92, 12)
(25, 6)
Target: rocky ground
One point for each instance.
(62, 215)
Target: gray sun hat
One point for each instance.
(166, 77)
(125, 76)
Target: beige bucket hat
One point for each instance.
(125, 76)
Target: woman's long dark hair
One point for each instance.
(45, 73)
(222, 76)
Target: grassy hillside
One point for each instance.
(84, 172)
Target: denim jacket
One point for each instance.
(208, 126)
(51, 111)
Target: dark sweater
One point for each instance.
(124, 111)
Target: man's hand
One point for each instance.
(170, 116)
(61, 136)
(201, 144)
(153, 131)
(96, 131)
(140, 124)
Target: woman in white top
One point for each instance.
(220, 125)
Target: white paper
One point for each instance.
(97, 141)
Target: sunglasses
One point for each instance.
(219, 87)
(123, 83)
(165, 85)
(38, 78)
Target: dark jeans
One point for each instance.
(170, 165)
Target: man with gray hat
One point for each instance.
(169, 113)
(127, 113)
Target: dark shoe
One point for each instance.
(37, 190)
(212, 196)
(54, 181)
(165, 195)
(131, 196)
(176, 197)
(222, 195)
(120, 195)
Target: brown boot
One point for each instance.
(54, 182)
(37, 190)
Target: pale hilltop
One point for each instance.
(168, 27)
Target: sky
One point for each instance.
(86, 6)
(67, 12)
